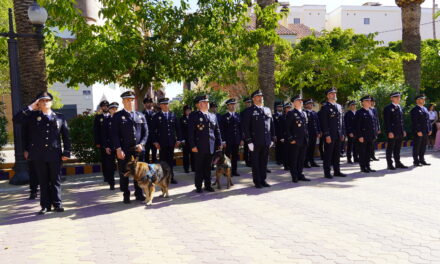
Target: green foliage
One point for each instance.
(3, 131)
(188, 97)
(81, 134)
(56, 104)
(342, 59)
(4, 64)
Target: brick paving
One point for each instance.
(382, 217)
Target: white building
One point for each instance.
(373, 17)
(313, 16)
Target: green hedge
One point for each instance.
(81, 134)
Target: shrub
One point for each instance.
(81, 134)
(3, 130)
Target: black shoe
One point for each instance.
(209, 189)
(265, 184)
(236, 174)
(140, 198)
(391, 167)
(401, 166)
(126, 199)
(349, 161)
(356, 160)
(365, 170)
(258, 186)
(59, 209)
(186, 171)
(173, 181)
(304, 179)
(32, 196)
(375, 159)
(339, 174)
(371, 170)
(425, 163)
(328, 176)
(112, 187)
(416, 164)
(43, 211)
(199, 190)
(268, 171)
(314, 165)
(307, 166)
(294, 180)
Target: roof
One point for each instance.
(281, 30)
(301, 30)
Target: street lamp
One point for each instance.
(38, 16)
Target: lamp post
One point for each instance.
(37, 16)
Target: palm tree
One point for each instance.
(434, 7)
(266, 64)
(411, 40)
(31, 55)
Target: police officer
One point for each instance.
(349, 123)
(365, 133)
(166, 134)
(107, 145)
(287, 107)
(129, 135)
(204, 138)
(321, 140)
(297, 137)
(376, 128)
(332, 132)
(149, 147)
(98, 133)
(313, 131)
(395, 131)
(259, 135)
(421, 127)
(278, 123)
(246, 156)
(188, 155)
(230, 127)
(45, 149)
(33, 177)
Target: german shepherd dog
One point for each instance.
(223, 167)
(148, 176)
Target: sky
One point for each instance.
(173, 89)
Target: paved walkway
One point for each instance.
(383, 217)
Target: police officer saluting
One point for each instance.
(230, 128)
(350, 125)
(421, 127)
(365, 134)
(259, 135)
(166, 134)
(314, 132)
(107, 145)
(297, 137)
(204, 138)
(333, 133)
(48, 130)
(278, 123)
(395, 131)
(188, 155)
(149, 147)
(129, 135)
(100, 136)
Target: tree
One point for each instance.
(145, 42)
(4, 64)
(411, 40)
(31, 55)
(341, 59)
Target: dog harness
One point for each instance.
(150, 174)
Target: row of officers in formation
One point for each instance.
(293, 129)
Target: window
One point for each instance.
(366, 21)
(296, 21)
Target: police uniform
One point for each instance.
(129, 129)
(393, 122)
(99, 132)
(365, 128)
(259, 134)
(349, 124)
(286, 145)
(246, 155)
(203, 133)
(107, 144)
(188, 155)
(297, 138)
(313, 131)
(278, 124)
(33, 177)
(47, 143)
(420, 123)
(166, 132)
(230, 127)
(331, 126)
(149, 147)
(376, 130)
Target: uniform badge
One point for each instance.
(123, 117)
(299, 125)
(331, 110)
(201, 119)
(392, 109)
(101, 119)
(39, 118)
(159, 118)
(296, 114)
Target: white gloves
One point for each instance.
(271, 144)
(251, 146)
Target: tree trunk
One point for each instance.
(31, 55)
(411, 41)
(140, 92)
(266, 65)
(434, 33)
